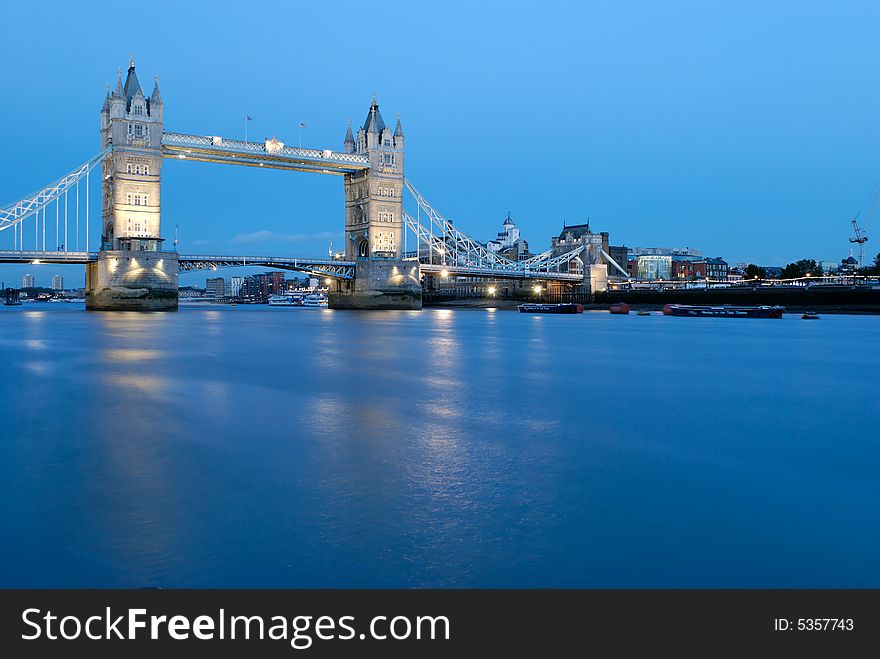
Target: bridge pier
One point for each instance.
(380, 284)
(127, 280)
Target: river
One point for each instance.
(274, 447)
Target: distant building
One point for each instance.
(620, 254)
(57, 283)
(235, 286)
(258, 288)
(575, 235)
(772, 271)
(27, 281)
(681, 253)
(508, 242)
(276, 283)
(295, 284)
(653, 266)
(849, 265)
(214, 287)
(716, 268)
(250, 289)
(688, 269)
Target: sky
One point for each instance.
(745, 129)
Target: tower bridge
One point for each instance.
(132, 269)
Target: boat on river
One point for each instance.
(722, 311)
(286, 301)
(537, 307)
(314, 300)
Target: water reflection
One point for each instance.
(130, 355)
(140, 383)
(213, 318)
(38, 368)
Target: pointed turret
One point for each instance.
(105, 108)
(398, 134)
(374, 123)
(132, 84)
(349, 139)
(156, 96)
(120, 90)
(117, 98)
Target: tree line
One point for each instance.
(805, 267)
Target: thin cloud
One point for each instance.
(275, 237)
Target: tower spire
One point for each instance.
(156, 96)
(130, 59)
(374, 122)
(119, 91)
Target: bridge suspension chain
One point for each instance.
(456, 248)
(465, 250)
(16, 212)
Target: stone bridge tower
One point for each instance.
(132, 271)
(374, 222)
(373, 198)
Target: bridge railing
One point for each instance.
(42, 256)
(225, 145)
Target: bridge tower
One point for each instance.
(132, 271)
(374, 222)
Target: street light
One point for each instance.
(444, 274)
(491, 290)
(328, 281)
(537, 290)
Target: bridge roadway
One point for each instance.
(272, 154)
(36, 257)
(319, 267)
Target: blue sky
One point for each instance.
(745, 129)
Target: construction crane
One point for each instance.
(859, 236)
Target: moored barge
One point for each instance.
(536, 307)
(722, 311)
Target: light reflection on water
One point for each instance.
(130, 355)
(269, 447)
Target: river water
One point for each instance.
(271, 447)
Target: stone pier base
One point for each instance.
(380, 284)
(132, 281)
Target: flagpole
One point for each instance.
(245, 129)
